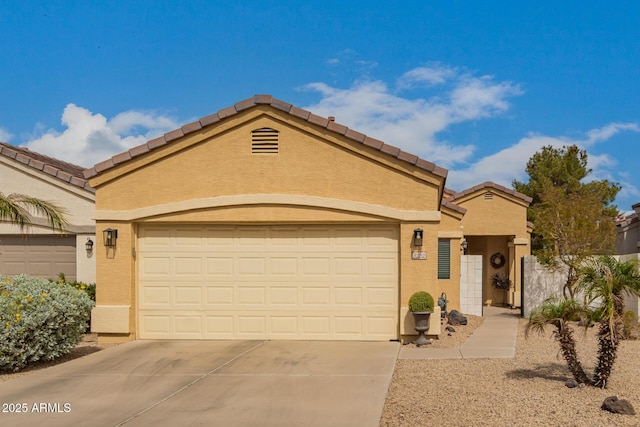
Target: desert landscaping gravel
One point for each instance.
(528, 390)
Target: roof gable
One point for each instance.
(66, 172)
(492, 187)
(264, 100)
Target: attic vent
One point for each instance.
(264, 141)
(488, 196)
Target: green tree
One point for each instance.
(559, 312)
(605, 282)
(19, 209)
(572, 219)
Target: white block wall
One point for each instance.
(471, 284)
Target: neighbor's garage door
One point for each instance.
(268, 282)
(38, 255)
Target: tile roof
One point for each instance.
(277, 104)
(453, 206)
(491, 185)
(67, 172)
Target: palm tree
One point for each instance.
(558, 312)
(605, 281)
(18, 209)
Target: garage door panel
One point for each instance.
(219, 295)
(155, 266)
(286, 282)
(38, 255)
(348, 296)
(188, 295)
(219, 266)
(284, 295)
(188, 266)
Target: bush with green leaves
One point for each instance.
(89, 288)
(420, 302)
(39, 319)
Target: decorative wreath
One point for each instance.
(497, 260)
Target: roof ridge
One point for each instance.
(275, 103)
(64, 171)
(493, 185)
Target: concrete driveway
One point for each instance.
(211, 383)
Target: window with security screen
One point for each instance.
(444, 259)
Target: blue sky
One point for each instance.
(474, 86)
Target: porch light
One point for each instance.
(110, 236)
(463, 244)
(417, 237)
(89, 245)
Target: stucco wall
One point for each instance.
(21, 179)
(498, 216)
(212, 177)
(628, 238)
(217, 163)
(541, 283)
(77, 202)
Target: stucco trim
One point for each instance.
(113, 319)
(521, 241)
(450, 234)
(270, 199)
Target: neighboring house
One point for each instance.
(628, 241)
(265, 221)
(38, 250)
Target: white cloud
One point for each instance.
(606, 132)
(5, 135)
(413, 124)
(90, 138)
(510, 163)
(431, 76)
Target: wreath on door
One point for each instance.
(497, 260)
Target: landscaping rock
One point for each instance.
(450, 329)
(618, 406)
(571, 383)
(456, 318)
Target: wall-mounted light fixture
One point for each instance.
(110, 236)
(417, 237)
(89, 245)
(463, 244)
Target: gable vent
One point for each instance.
(488, 196)
(264, 141)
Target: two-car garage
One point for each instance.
(268, 282)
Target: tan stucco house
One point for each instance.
(265, 221)
(628, 229)
(38, 250)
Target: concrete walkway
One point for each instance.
(494, 339)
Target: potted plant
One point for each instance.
(421, 306)
(501, 281)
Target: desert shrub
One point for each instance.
(89, 288)
(39, 319)
(420, 302)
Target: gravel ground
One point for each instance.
(455, 339)
(528, 390)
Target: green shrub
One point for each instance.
(89, 288)
(39, 319)
(421, 302)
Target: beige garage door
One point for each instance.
(38, 255)
(268, 282)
